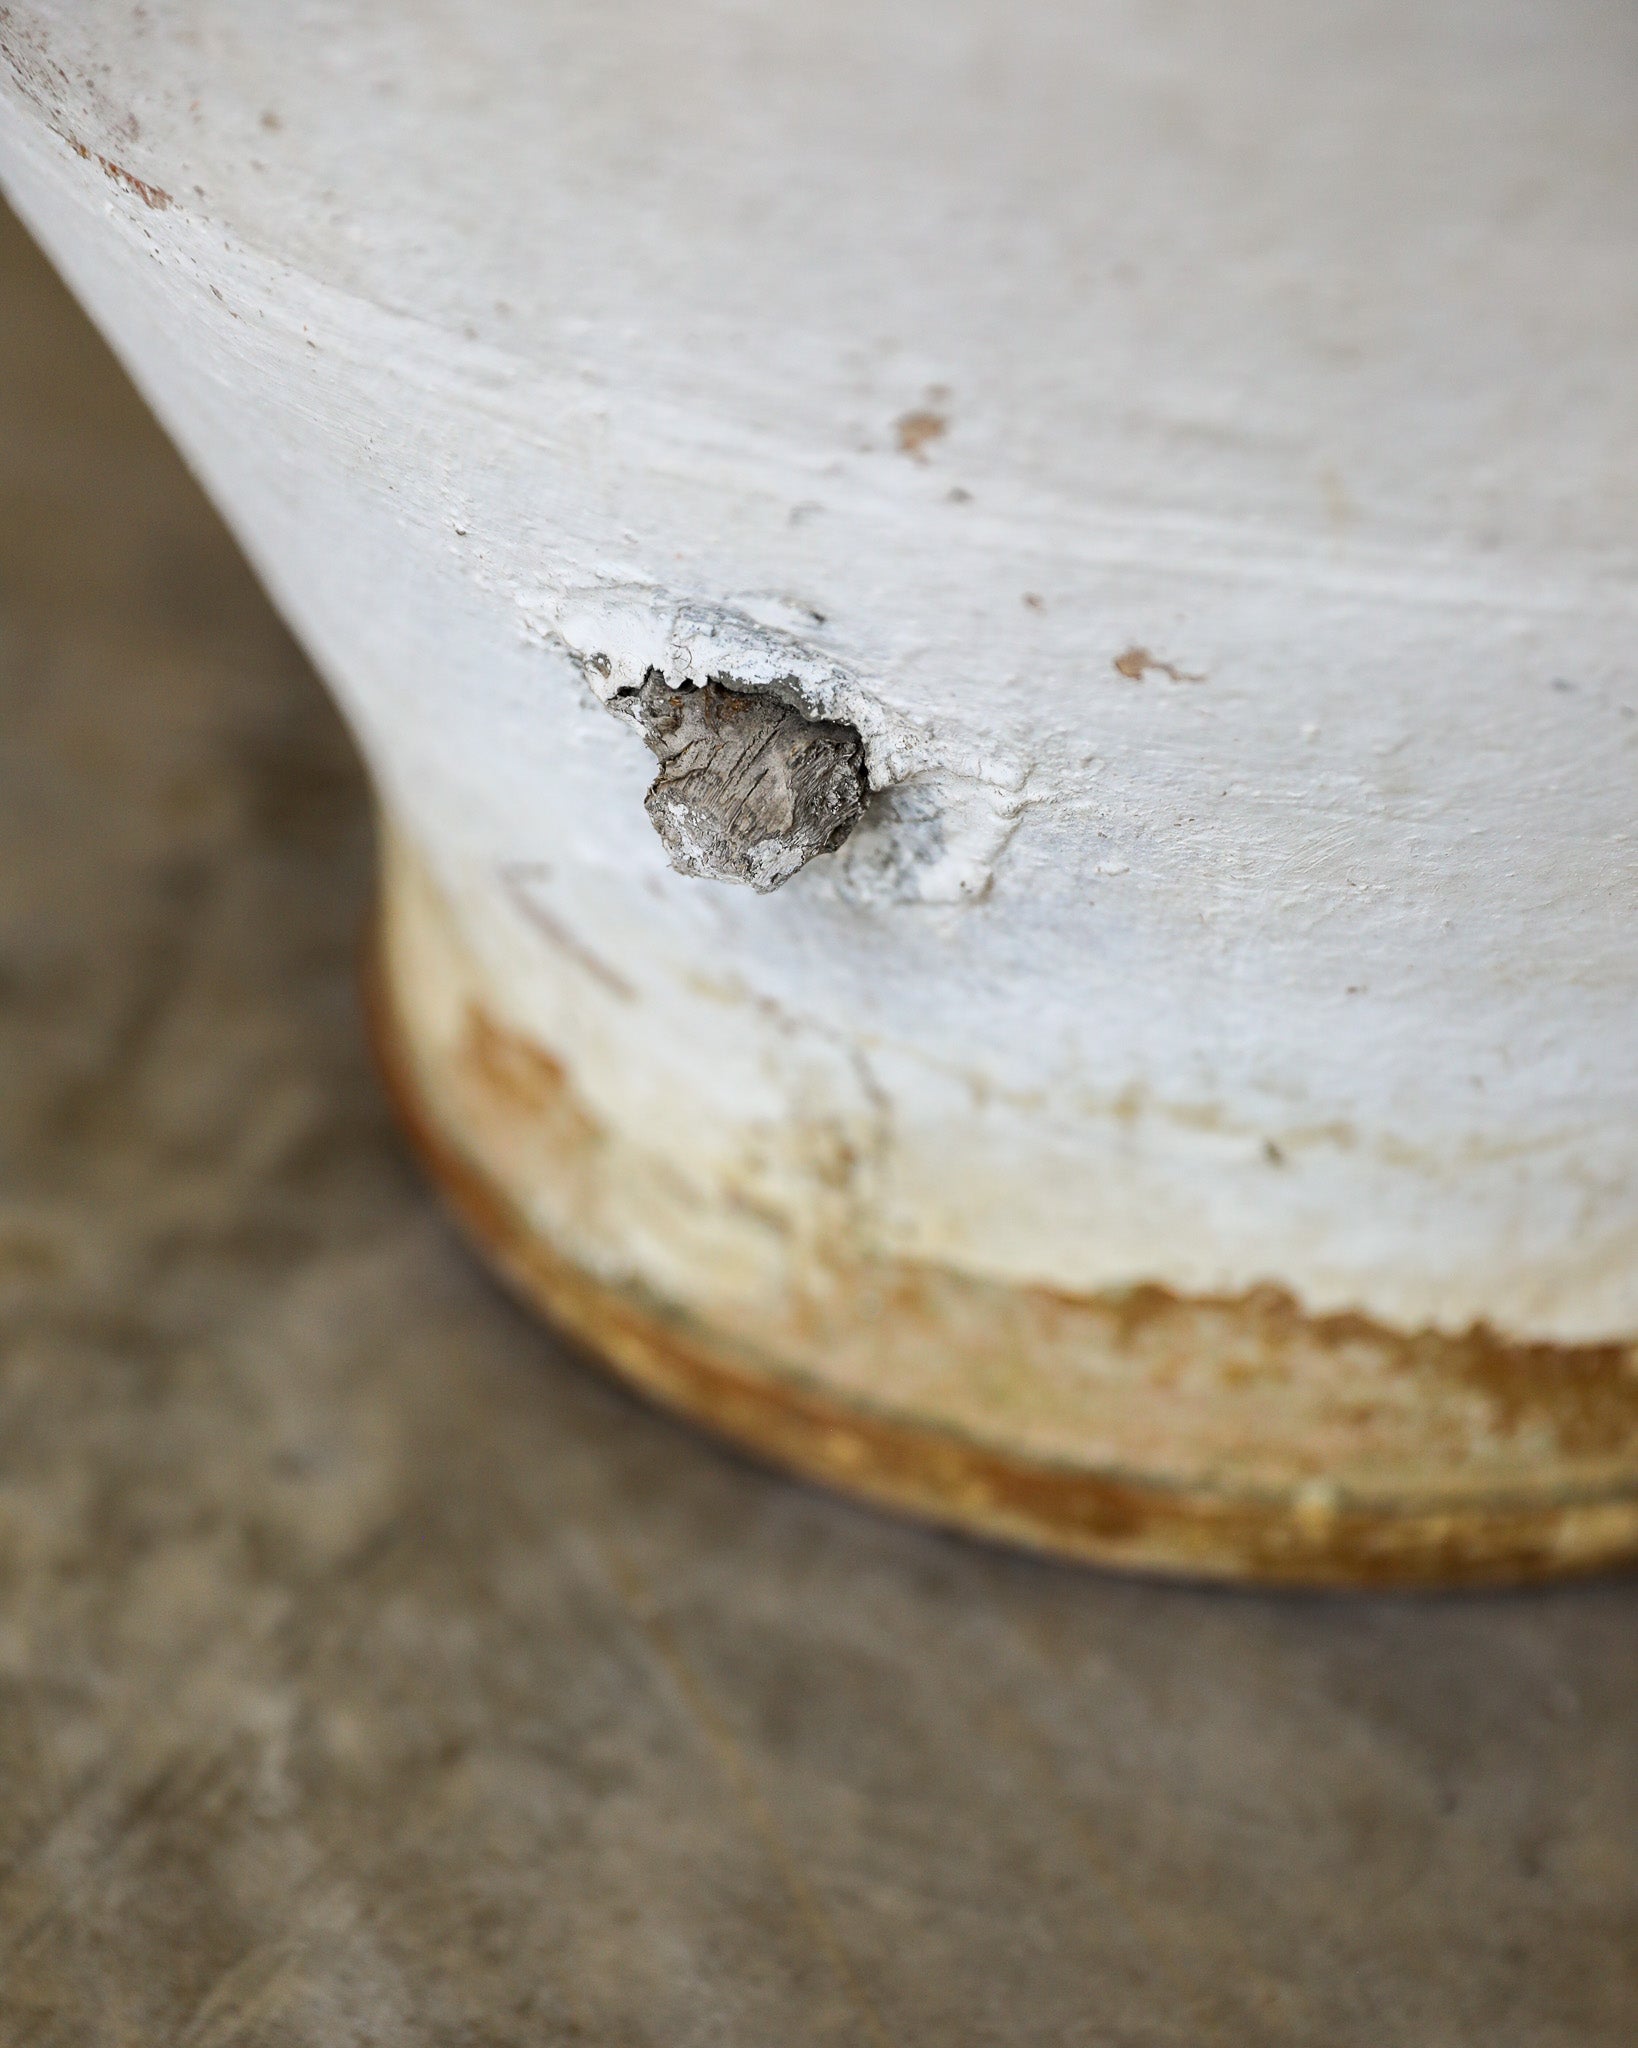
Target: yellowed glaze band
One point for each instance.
(1232, 1438)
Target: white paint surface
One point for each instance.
(1295, 346)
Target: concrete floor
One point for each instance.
(373, 1671)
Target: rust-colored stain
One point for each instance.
(1136, 663)
(151, 195)
(557, 934)
(1580, 1400)
(525, 1075)
(917, 429)
(1583, 1397)
(523, 1087)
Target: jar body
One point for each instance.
(1192, 1116)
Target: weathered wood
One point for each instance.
(749, 789)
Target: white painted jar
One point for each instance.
(1191, 454)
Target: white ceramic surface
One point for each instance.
(1196, 447)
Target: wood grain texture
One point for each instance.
(749, 790)
(370, 1673)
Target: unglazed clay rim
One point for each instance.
(1119, 1519)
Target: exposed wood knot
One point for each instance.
(749, 790)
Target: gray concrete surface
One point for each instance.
(373, 1671)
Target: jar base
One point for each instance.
(1310, 1532)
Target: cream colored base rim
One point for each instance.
(1296, 1536)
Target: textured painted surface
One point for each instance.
(371, 1674)
(1194, 447)
(1237, 1437)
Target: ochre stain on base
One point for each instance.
(1301, 1536)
